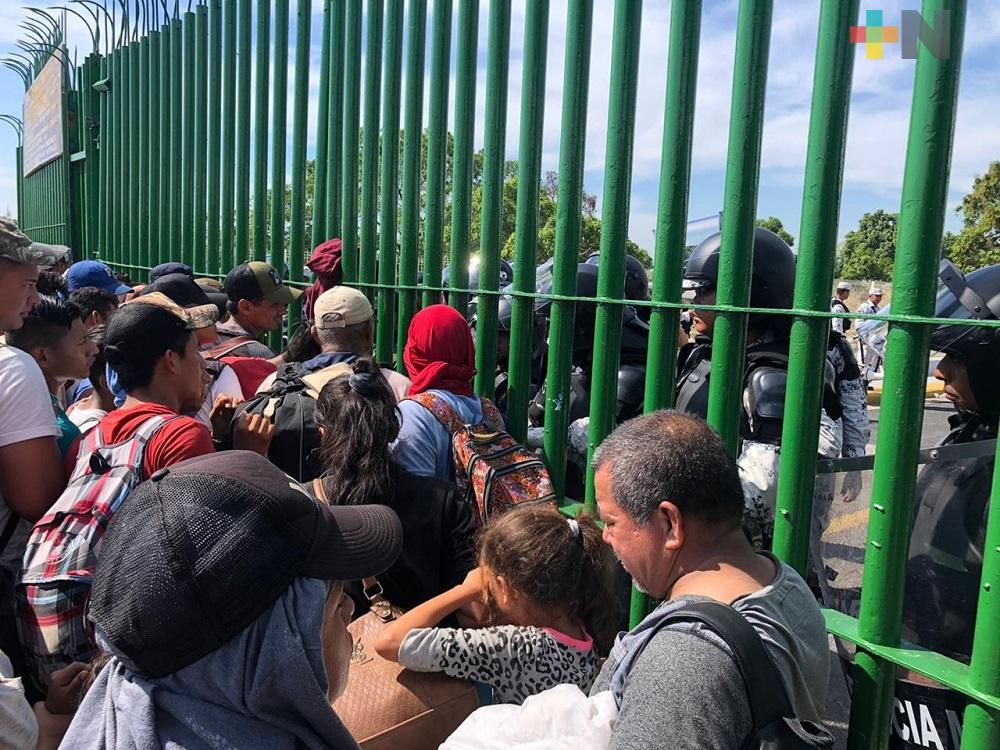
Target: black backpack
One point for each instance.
(290, 404)
(775, 725)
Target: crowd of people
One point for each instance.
(191, 522)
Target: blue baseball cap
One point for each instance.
(94, 273)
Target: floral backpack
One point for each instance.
(494, 472)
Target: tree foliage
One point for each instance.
(773, 224)
(978, 243)
(868, 251)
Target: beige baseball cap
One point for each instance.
(340, 307)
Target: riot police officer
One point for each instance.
(636, 282)
(506, 277)
(772, 284)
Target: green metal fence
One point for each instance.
(167, 175)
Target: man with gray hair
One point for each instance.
(672, 505)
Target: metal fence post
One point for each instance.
(491, 206)
(322, 129)
(260, 100)
(614, 227)
(393, 72)
(200, 193)
(437, 150)
(215, 105)
(187, 158)
(241, 240)
(921, 222)
(229, 157)
(279, 144)
(300, 124)
(332, 222)
(370, 156)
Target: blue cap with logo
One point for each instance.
(94, 273)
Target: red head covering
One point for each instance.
(439, 352)
(325, 263)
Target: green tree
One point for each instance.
(869, 250)
(773, 224)
(978, 244)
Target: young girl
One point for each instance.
(543, 579)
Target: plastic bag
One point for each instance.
(561, 718)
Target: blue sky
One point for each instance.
(879, 115)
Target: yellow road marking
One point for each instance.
(848, 521)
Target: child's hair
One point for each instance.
(358, 416)
(46, 324)
(97, 368)
(539, 554)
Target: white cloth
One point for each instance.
(560, 718)
(25, 414)
(86, 419)
(18, 726)
(227, 384)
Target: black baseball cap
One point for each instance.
(142, 330)
(183, 290)
(165, 269)
(256, 280)
(204, 548)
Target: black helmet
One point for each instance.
(586, 286)
(972, 297)
(636, 278)
(772, 279)
(506, 275)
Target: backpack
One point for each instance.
(250, 371)
(494, 472)
(66, 542)
(775, 725)
(290, 404)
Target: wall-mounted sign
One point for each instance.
(43, 117)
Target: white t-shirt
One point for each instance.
(25, 414)
(227, 384)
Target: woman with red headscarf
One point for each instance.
(440, 360)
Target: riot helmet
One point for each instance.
(772, 278)
(636, 277)
(972, 297)
(505, 278)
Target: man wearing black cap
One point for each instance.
(257, 303)
(220, 593)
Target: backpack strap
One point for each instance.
(441, 409)
(765, 689)
(491, 415)
(8, 529)
(227, 347)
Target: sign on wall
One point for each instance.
(43, 117)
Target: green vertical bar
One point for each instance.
(369, 163)
(497, 68)
(117, 162)
(227, 257)
(243, 105)
(163, 188)
(143, 181)
(921, 221)
(176, 137)
(675, 179)
(335, 95)
(393, 72)
(753, 34)
(279, 135)
(409, 230)
(300, 127)
(981, 727)
(572, 142)
(437, 149)
(322, 130)
(260, 132)
(187, 158)
(465, 130)
(350, 145)
(671, 221)
(104, 198)
(200, 193)
(526, 243)
(135, 143)
(813, 280)
(154, 75)
(214, 135)
(614, 229)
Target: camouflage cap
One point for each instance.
(17, 247)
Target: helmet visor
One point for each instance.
(957, 301)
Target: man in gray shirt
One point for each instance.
(671, 501)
